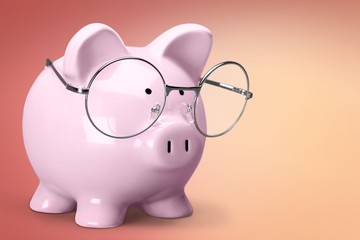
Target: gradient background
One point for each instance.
(290, 168)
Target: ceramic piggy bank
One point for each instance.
(107, 126)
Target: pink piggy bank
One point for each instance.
(108, 126)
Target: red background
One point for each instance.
(289, 170)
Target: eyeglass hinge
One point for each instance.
(77, 90)
(247, 94)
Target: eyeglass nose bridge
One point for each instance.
(188, 111)
(169, 88)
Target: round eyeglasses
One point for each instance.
(126, 96)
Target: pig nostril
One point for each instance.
(169, 147)
(186, 145)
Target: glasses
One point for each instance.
(126, 96)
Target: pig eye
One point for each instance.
(181, 92)
(148, 91)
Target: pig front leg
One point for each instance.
(49, 199)
(99, 213)
(173, 205)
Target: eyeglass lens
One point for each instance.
(125, 98)
(223, 107)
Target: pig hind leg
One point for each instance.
(173, 206)
(49, 199)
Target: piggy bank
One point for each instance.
(107, 126)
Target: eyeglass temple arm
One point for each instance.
(67, 85)
(230, 88)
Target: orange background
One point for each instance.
(289, 169)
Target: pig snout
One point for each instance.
(175, 143)
(177, 140)
(178, 144)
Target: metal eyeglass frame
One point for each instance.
(168, 88)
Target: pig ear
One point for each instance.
(188, 45)
(91, 46)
